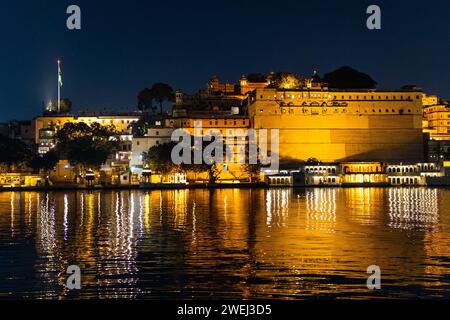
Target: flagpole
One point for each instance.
(59, 86)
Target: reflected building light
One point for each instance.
(47, 228)
(66, 213)
(12, 195)
(268, 207)
(30, 208)
(116, 211)
(225, 210)
(82, 208)
(180, 207)
(321, 209)
(413, 208)
(99, 206)
(131, 224)
(194, 223)
(277, 208)
(141, 212)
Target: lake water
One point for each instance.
(230, 243)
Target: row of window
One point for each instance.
(217, 122)
(314, 111)
(321, 181)
(320, 170)
(345, 97)
(403, 180)
(280, 181)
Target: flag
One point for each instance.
(60, 74)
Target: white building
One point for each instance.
(155, 136)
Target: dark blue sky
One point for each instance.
(126, 45)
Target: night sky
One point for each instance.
(125, 46)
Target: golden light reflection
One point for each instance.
(277, 208)
(411, 208)
(321, 209)
(268, 242)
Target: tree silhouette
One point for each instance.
(145, 99)
(349, 78)
(162, 92)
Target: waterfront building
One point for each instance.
(209, 125)
(121, 123)
(281, 179)
(363, 173)
(155, 136)
(15, 180)
(47, 140)
(63, 173)
(436, 121)
(322, 174)
(341, 125)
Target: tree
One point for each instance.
(253, 171)
(312, 162)
(65, 106)
(45, 162)
(162, 92)
(348, 78)
(213, 170)
(159, 158)
(13, 153)
(287, 80)
(139, 128)
(87, 146)
(145, 99)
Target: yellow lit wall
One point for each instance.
(342, 126)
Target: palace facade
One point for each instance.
(341, 125)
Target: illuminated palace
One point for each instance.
(367, 130)
(341, 125)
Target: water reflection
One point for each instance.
(411, 208)
(225, 243)
(321, 209)
(277, 208)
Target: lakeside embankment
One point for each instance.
(202, 186)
